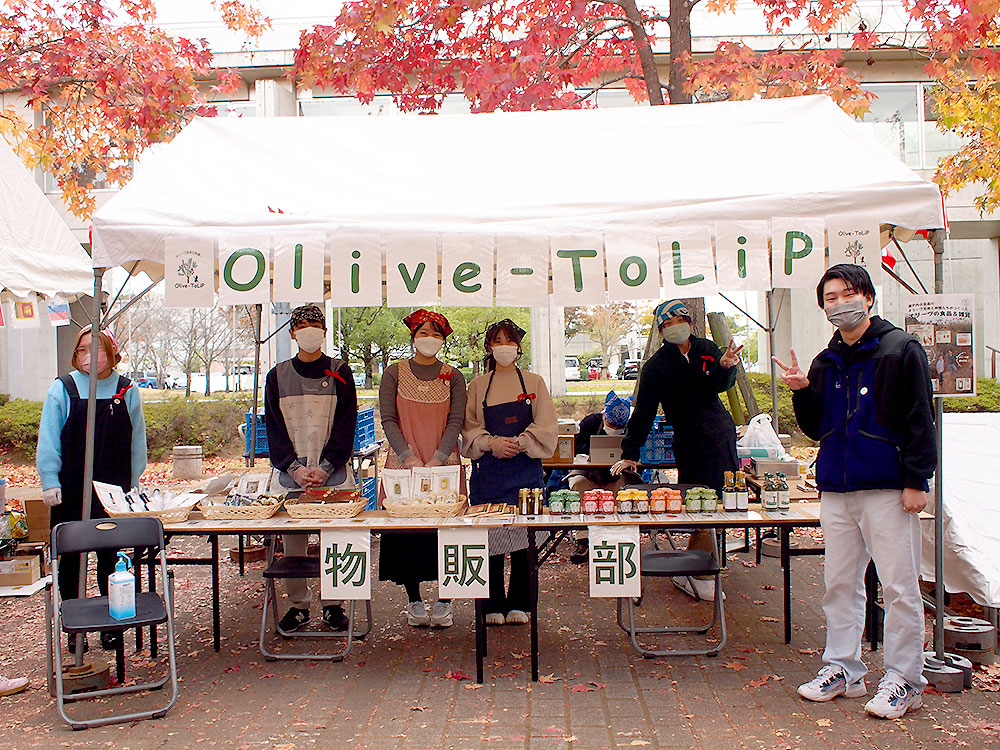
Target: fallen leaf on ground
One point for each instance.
(810, 651)
(458, 674)
(520, 654)
(734, 665)
(768, 619)
(548, 678)
(473, 686)
(418, 708)
(581, 688)
(823, 722)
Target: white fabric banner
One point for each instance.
(614, 561)
(467, 270)
(411, 271)
(742, 261)
(245, 271)
(188, 272)
(463, 564)
(633, 265)
(24, 312)
(577, 270)
(798, 252)
(522, 270)
(855, 239)
(687, 263)
(356, 271)
(299, 269)
(345, 564)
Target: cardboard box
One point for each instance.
(37, 514)
(19, 571)
(762, 466)
(564, 450)
(39, 550)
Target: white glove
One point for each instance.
(52, 497)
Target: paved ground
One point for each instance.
(407, 688)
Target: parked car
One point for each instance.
(594, 366)
(148, 382)
(358, 370)
(573, 369)
(629, 370)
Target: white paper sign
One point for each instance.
(299, 268)
(633, 266)
(423, 481)
(463, 564)
(446, 478)
(396, 484)
(245, 271)
(252, 485)
(467, 270)
(742, 261)
(855, 239)
(345, 564)
(188, 272)
(687, 263)
(577, 270)
(614, 561)
(411, 271)
(24, 312)
(522, 270)
(798, 252)
(356, 271)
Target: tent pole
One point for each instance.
(937, 242)
(770, 344)
(256, 386)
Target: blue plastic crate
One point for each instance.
(261, 444)
(364, 433)
(369, 490)
(659, 445)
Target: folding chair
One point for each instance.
(91, 614)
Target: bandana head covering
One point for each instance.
(513, 330)
(672, 308)
(417, 318)
(306, 314)
(108, 339)
(616, 409)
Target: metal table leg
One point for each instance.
(216, 629)
(480, 640)
(786, 571)
(533, 600)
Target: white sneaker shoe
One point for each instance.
(829, 683)
(495, 618)
(517, 617)
(441, 615)
(703, 590)
(416, 615)
(894, 697)
(12, 685)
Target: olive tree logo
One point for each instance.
(189, 270)
(855, 251)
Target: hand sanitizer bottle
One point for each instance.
(121, 590)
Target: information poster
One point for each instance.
(945, 326)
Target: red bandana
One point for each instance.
(418, 317)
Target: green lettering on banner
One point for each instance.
(576, 255)
(741, 258)
(355, 273)
(465, 272)
(227, 271)
(297, 278)
(679, 278)
(791, 254)
(411, 282)
(632, 260)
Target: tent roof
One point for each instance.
(540, 173)
(38, 252)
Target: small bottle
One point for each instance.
(784, 497)
(742, 494)
(769, 493)
(729, 493)
(121, 590)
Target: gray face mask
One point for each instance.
(848, 315)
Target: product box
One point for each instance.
(762, 466)
(37, 513)
(564, 450)
(39, 550)
(19, 571)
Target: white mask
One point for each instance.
(310, 339)
(428, 345)
(613, 430)
(677, 334)
(505, 354)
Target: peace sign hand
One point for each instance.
(792, 376)
(731, 356)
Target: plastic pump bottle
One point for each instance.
(121, 590)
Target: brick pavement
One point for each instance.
(404, 688)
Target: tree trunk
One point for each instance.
(649, 72)
(680, 42)
(697, 307)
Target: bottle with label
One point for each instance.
(784, 497)
(121, 590)
(729, 493)
(742, 494)
(769, 493)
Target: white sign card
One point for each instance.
(743, 263)
(633, 266)
(396, 484)
(467, 270)
(578, 269)
(686, 262)
(244, 271)
(252, 485)
(112, 497)
(411, 271)
(944, 324)
(188, 272)
(463, 563)
(25, 312)
(356, 271)
(614, 561)
(345, 564)
(522, 270)
(798, 252)
(299, 269)
(446, 478)
(855, 239)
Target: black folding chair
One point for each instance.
(91, 614)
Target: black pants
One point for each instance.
(503, 599)
(69, 573)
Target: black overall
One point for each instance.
(112, 464)
(497, 480)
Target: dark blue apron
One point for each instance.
(497, 480)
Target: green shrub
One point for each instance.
(19, 421)
(4, 398)
(210, 424)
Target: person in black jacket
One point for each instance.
(685, 377)
(867, 399)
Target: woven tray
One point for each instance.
(215, 512)
(324, 510)
(413, 510)
(171, 515)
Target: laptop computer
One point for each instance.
(605, 449)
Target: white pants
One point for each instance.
(859, 527)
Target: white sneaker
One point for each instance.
(829, 683)
(495, 618)
(12, 685)
(703, 590)
(517, 617)
(416, 615)
(894, 697)
(441, 615)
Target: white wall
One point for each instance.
(27, 361)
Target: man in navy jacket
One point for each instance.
(867, 400)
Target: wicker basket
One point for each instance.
(218, 512)
(168, 516)
(324, 510)
(411, 510)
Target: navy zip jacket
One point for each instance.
(869, 406)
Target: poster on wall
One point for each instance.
(945, 326)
